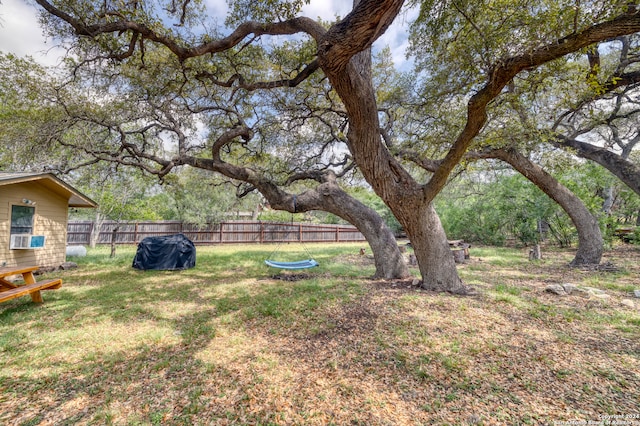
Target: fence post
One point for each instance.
(261, 232)
(135, 232)
(221, 233)
(300, 232)
(337, 234)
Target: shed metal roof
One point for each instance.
(51, 182)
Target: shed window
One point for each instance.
(22, 219)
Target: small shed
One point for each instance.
(34, 211)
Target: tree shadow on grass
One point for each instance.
(165, 377)
(96, 388)
(151, 382)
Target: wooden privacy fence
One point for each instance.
(79, 232)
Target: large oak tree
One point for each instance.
(531, 38)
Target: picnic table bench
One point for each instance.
(9, 290)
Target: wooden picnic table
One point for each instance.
(10, 290)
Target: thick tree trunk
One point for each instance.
(329, 197)
(387, 257)
(431, 248)
(401, 193)
(399, 190)
(590, 242)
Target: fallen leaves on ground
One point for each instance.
(392, 354)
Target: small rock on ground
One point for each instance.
(628, 303)
(601, 296)
(68, 265)
(556, 289)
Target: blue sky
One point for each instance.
(20, 33)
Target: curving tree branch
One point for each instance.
(504, 72)
(183, 52)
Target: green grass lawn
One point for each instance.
(232, 341)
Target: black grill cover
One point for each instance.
(168, 252)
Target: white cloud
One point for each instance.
(21, 35)
(218, 8)
(326, 9)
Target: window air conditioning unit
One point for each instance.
(27, 241)
(20, 241)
